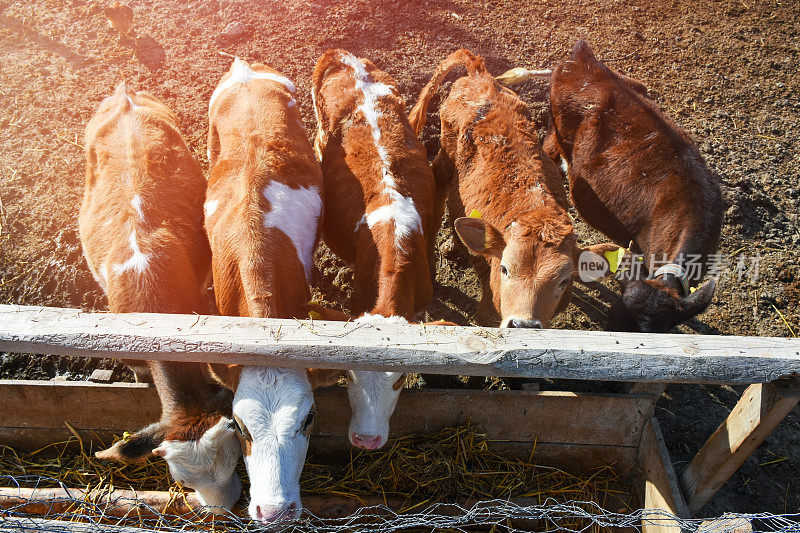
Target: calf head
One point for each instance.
(653, 306)
(273, 410)
(530, 264)
(373, 397)
(201, 452)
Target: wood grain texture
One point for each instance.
(580, 430)
(531, 353)
(662, 493)
(757, 413)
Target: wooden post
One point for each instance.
(548, 353)
(759, 411)
(662, 494)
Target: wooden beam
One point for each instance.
(593, 355)
(757, 413)
(571, 430)
(662, 495)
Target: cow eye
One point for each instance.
(563, 284)
(503, 270)
(308, 421)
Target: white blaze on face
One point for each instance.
(208, 465)
(373, 397)
(296, 213)
(138, 261)
(401, 209)
(274, 405)
(241, 73)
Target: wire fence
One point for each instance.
(69, 514)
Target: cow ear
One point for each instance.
(136, 448)
(700, 299)
(323, 377)
(226, 375)
(479, 236)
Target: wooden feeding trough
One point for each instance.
(571, 430)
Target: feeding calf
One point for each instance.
(496, 171)
(262, 215)
(141, 228)
(637, 176)
(379, 211)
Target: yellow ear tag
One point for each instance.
(692, 289)
(314, 315)
(475, 214)
(614, 258)
(126, 437)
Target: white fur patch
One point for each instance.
(210, 207)
(241, 73)
(136, 203)
(295, 212)
(208, 464)
(564, 166)
(138, 261)
(372, 394)
(401, 210)
(273, 403)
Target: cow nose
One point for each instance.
(367, 442)
(275, 513)
(525, 323)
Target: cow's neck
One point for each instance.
(184, 388)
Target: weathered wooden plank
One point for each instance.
(757, 413)
(662, 495)
(532, 353)
(36, 411)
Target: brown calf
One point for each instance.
(520, 228)
(379, 211)
(141, 227)
(637, 176)
(262, 212)
(378, 186)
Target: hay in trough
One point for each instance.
(455, 465)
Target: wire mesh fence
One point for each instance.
(63, 488)
(490, 515)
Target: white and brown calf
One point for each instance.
(379, 214)
(141, 228)
(262, 214)
(520, 228)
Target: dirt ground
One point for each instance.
(726, 70)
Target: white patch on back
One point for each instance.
(296, 213)
(401, 209)
(242, 73)
(103, 272)
(136, 203)
(564, 166)
(138, 261)
(210, 207)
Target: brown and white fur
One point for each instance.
(141, 228)
(263, 209)
(379, 214)
(493, 164)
